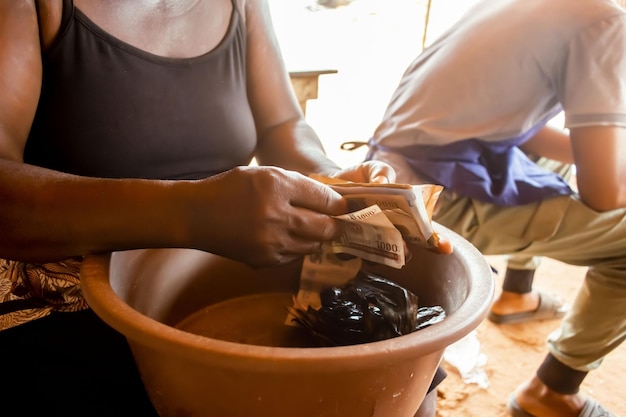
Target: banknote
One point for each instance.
(321, 270)
(369, 234)
(408, 207)
(381, 217)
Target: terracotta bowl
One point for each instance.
(145, 293)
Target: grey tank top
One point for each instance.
(108, 109)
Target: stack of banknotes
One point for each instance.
(381, 218)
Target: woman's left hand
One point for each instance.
(368, 172)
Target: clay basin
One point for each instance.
(145, 293)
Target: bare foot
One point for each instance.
(512, 302)
(540, 401)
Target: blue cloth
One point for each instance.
(496, 172)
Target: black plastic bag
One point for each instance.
(367, 309)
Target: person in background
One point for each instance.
(472, 113)
(129, 124)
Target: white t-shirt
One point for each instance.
(509, 65)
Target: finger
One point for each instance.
(308, 225)
(381, 172)
(383, 178)
(317, 197)
(285, 251)
(299, 247)
(444, 246)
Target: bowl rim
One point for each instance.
(148, 332)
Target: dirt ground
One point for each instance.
(514, 351)
(370, 43)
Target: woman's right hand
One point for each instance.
(262, 216)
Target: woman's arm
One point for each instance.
(47, 215)
(44, 214)
(259, 216)
(285, 138)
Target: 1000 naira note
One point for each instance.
(408, 207)
(369, 234)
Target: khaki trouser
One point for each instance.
(561, 228)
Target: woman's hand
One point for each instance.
(368, 172)
(383, 173)
(262, 216)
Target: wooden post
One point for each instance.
(305, 84)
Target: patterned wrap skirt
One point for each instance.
(31, 291)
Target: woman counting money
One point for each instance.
(130, 124)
